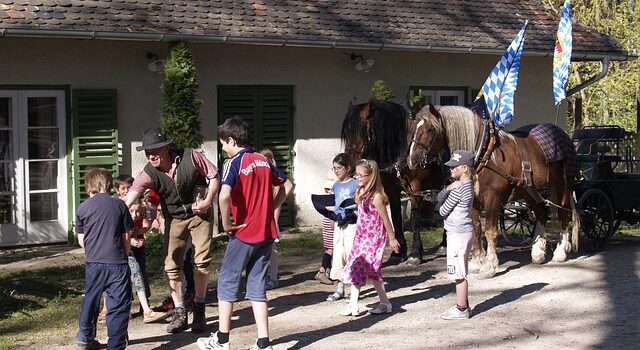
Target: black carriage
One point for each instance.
(606, 190)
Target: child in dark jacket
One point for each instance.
(104, 226)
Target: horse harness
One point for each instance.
(487, 147)
(525, 181)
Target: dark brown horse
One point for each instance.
(380, 131)
(500, 177)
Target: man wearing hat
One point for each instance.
(176, 175)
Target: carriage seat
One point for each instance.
(591, 146)
(595, 150)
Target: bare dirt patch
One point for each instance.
(588, 302)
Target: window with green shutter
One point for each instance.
(95, 135)
(269, 112)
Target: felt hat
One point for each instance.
(153, 138)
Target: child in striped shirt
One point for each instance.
(454, 205)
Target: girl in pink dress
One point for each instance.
(372, 228)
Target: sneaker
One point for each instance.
(211, 342)
(199, 319)
(178, 321)
(88, 345)
(455, 314)
(256, 347)
(323, 276)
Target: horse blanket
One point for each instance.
(555, 143)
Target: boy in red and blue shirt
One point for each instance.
(246, 193)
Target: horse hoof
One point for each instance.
(537, 259)
(414, 261)
(560, 256)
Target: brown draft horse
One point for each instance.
(499, 177)
(380, 130)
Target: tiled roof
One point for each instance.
(438, 25)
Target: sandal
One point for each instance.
(335, 296)
(381, 309)
(154, 316)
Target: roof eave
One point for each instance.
(209, 38)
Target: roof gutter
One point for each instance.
(603, 72)
(349, 45)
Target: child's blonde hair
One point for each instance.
(98, 180)
(470, 172)
(374, 185)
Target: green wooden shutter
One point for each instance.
(269, 112)
(95, 135)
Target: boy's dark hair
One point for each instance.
(98, 180)
(235, 128)
(344, 160)
(123, 179)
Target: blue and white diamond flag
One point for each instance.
(562, 54)
(500, 87)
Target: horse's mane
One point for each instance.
(460, 125)
(387, 127)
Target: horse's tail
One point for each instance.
(575, 220)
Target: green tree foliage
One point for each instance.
(179, 113)
(381, 91)
(612, 100)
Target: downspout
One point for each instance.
(585, 84)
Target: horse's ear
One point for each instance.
(350, 107)
(364, 113)
(434, 111)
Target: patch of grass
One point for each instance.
(629, 230)
(35, 304)
(429, 237)
(300, 245)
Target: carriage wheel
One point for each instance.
(596, 216)
(517, 223)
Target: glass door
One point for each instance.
(37, 139)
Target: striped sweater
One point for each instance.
(455, 207)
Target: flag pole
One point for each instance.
(557, 112)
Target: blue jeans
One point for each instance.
(115, 280)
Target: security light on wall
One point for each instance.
(362, 64)
(157, 64)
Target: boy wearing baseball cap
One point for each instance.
(454, 205)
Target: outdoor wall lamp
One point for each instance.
(362, 64)
(157, 64)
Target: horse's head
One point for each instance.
(356, 133)
(426, 138)
(375, 130)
